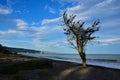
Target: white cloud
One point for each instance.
(47, 44)
(35, 23)
(45, 29)
(97, 9)
(33, 30)
(7, 32)
(14, 43)
(103, 3)
(12, 33)
(112, 23)
(5, 11)
(21, 25)
(64, 2)
(110, 27)
(109, 41)
(50, 9)
(105, 10)
(47, 21)
(44, 36)
(42, 32)
(75, 8)
(39, 31)
(68, 1)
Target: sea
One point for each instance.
(104, 60)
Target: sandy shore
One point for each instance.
(61, 70)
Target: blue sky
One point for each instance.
(35, 24)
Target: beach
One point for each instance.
(58, 70)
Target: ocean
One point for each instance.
(105, 60)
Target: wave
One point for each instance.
(109, 63)
(103, 63)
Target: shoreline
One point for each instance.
(62, 70)
(115, 64)
(79, 62)
(90, 65)
(58, 60)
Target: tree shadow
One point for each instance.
(75, 73)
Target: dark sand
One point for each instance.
(64, 71)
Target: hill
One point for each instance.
(22, 50)
(4, 51)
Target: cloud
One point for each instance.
(101, 7)
(36, 33)
(47, 21)
(90, 11)
(110, 27)
(112, 23)
(50, 9)
(48, 44)
(5, 11)
(35, 23)
(106, 10)
(46, 32)
(98, 9)
(12, 33)
(103, 3)
(33, 30)
(75, 8)
(109, 41)
(21, 25)
(16, 28)
(14, 43)
(64, 2)
(68, 1)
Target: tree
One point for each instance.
(1, 48)
(77, 35)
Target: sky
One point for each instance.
(36, 24)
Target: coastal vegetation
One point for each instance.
(4, 51)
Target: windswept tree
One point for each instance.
(77, 35)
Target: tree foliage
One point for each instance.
(77, 35)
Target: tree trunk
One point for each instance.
(84, 64)
(83, 57)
